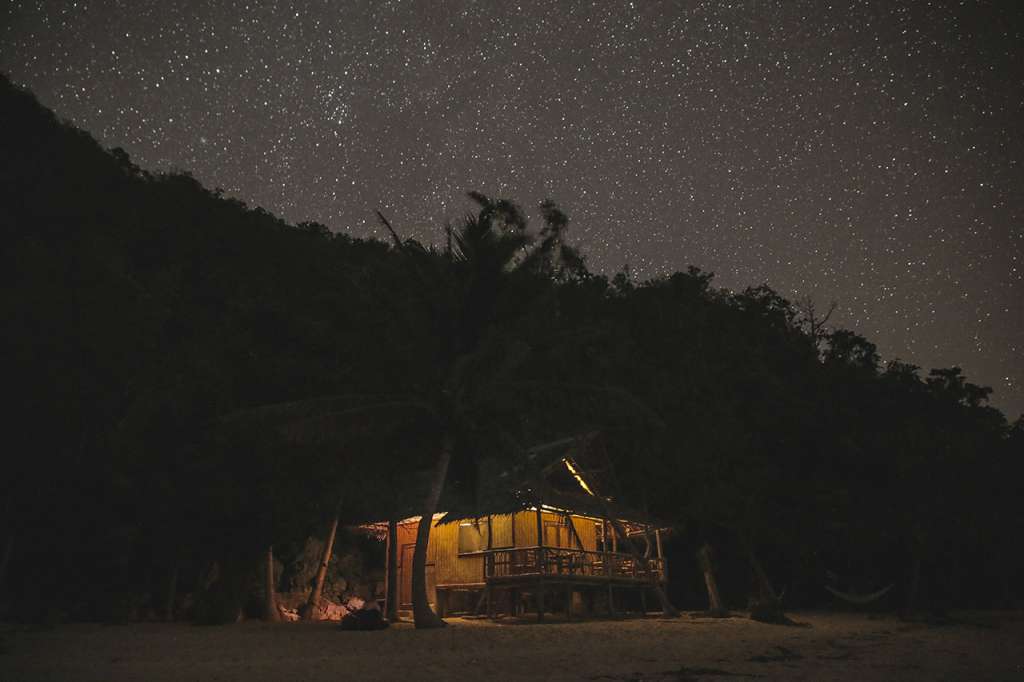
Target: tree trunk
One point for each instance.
(391, 608)
(270, 612)
(6, 560)
(1006, 574)
(172, 593)
(766, 607)
(309, 611)
(764, 586)
(423, 615)
(667, 609)
(704, 557)
(210, 576)
(914, 593)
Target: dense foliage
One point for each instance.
(143, 313)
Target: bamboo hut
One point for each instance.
(549, 541)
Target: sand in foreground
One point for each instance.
(975, 646)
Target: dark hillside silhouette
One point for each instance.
(141, 311)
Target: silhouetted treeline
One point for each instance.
(149, 320)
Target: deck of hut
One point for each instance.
(574, 579)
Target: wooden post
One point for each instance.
(661, 557)
(572, 529)
(589, 595)
(489, 560)
(604, 557)
(540, 527)
(487, 567)
(541, 564)
(480, 604)
(540, 599)
(541, 558)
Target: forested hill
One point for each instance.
(136, 308)
(125, 266)
(142, 310)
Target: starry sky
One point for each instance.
(866, 153)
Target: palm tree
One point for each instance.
(460, 302)
(489, 273)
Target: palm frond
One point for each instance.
(619, 396)
(337, 425)
(310, 408)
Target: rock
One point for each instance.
(330, 611)
(364, 619)
(287, 614)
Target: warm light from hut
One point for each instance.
(576, 475)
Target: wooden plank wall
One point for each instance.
(587, 528)
(451, 569)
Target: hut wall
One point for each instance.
(501, 528)
(587, 530)
(526, 529)
(451, 568)
(446, 567)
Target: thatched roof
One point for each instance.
(578, 504)
(568, 474)
(571, 475)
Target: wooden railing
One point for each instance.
(568, 562)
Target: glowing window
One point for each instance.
(472, 537)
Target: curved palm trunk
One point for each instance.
(914, 591)
(9, 545)
(391, 607)
(310, 608)
(172, 593)
(423, 615)
(764, 585)
(270, 612)
(8, 551)
(704, 557)
(767, 607)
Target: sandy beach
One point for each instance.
(971, 646)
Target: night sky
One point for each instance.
(867, 153)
